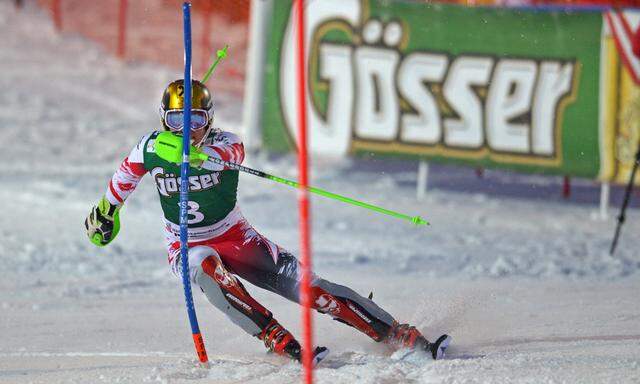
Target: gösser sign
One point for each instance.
(425, 101)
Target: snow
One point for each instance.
(520, 278)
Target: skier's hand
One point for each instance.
(103, 223)
(169, 147)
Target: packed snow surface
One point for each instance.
(520, 278)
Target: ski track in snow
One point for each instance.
(524, 284)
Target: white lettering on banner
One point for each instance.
(424, 126)
(329, 134)
(378, 97)
(466, 72)
(510, 98)
(554, 82)
(377, 103)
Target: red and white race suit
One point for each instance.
(227, 247)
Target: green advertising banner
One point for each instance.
(479, 86)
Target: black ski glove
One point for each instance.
(103, 223)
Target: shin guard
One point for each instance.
(354, 310)
(227, 293)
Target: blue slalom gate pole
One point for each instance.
(184, 189)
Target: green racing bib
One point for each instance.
(212, 195)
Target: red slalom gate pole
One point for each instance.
(303, 198)
(122, 28)
(206, 34)
(57, 14)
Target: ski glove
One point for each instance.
(103, 223)
(169, 147)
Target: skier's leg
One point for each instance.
(347, 306)
(227, 293)
(264, 264)
(261, 262)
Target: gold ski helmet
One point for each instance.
(171, 109)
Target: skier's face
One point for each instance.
(174, 121)
(197, 135)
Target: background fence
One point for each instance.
(145, 30)
(138, 30)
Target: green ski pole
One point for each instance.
(166, 144)
(221, 54)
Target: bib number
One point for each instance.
(193, 211)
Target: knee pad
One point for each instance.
(197, 255)
(216, 271)
(227, 293)
(234, 306)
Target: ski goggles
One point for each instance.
(174, 119)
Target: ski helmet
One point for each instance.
(171, 108)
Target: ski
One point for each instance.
(319, 354)
(439, 347)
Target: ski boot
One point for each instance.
(280, 341)
(406, 336)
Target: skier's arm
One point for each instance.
(227, 147)
(125, 179)
(103, 223)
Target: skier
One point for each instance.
(223, 245)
